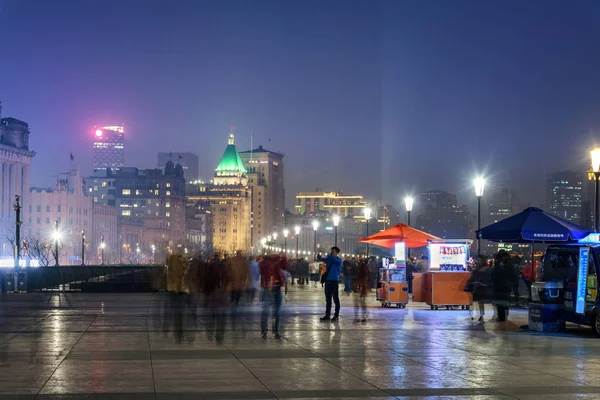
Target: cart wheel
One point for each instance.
(435, 307)
(468, 307)
(398, 305)
(462, 307)
(403, 305)
(452, 307)
(432, 307)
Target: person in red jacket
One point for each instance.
(272, 279)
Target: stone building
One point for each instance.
(15, 162)
(229, 198)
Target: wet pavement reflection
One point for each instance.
(199, 346)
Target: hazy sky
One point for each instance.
(375, 97)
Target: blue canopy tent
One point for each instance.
(530, 226)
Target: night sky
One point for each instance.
(373, 97)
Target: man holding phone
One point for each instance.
(331, 279)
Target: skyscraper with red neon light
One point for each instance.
(109, 146)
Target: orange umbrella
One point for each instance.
(400, 233)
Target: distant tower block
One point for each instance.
(109, 146)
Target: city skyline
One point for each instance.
(423, 124)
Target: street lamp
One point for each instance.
(596, 171)
(275, 234)
(479, 186)
(297, 230)
(285, 235)
(56, 240)
(336, 222)
(102, 246)
(153, 250)
(408, 202)
(17, 207)
(137, 253)
(82, 247)
(315, 225)
(367, 213)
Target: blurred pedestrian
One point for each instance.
(331, 280)
(479, 284)
(423, 264)
(502, 277)
(272, 279)
(253, 278)
(314, 272)
(238, 280)
(347, 271)
(361, 289)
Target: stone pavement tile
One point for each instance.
(31, 357)
(579, 396)
(113, 341)
(204, 395)
(522, 381)
(114, 355)
(199, 369)
(341, 394)
(97, 396)
(545, 391)
(427, 382)
(214, 384)
(98, 376)
(184, 354)
(468, 397)
(274, 353)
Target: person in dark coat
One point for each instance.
(502, 278)
(480, 283)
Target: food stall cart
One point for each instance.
(394, 286)
(393, 277)
(443, 285)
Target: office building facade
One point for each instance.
(265, 173)
(566, 196)
(335, 203)
(109, 147)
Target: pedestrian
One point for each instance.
(479, 284)
(410, 267)
(331, 280)
(361, 289)
(253, 278)
(502, 281)
(347, 268)
(272, 279)
(527, 276)
(238, 280)
(313, 268)
(423, 264)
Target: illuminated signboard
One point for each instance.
(591, 238)
(584, 253)
(400, 252)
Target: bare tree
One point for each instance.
(41, 250)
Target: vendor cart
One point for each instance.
(448, 275)
(394, 287)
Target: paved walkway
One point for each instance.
(132, 346)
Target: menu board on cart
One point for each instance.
(582, 280)
(400, 254)
(448, 257)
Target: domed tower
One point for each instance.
(179, 171)
(230, 170)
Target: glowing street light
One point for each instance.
(479, 185)
(285, 236)
(153, 250)
(102, 246)
(595, 153)
(56, 236)
(315, 225)
(408, 203)
(336, 222)
(367, 214)
(297, 230)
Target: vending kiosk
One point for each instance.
(392, 276)
(443, 285)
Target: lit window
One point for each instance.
(168, 204)
(126, 192)
(104, 184)
(156, 192)
(138, 192)
(126, 212)
(167, 214)
(168, 184)
(103, 196)
(168, 192)
(149, 202)
(157, 204)
(95, 199)
(95, 188)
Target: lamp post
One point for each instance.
(285, 235)
(479, 186)
(408, 203)
(275, 234)
(56, 239)
(297, 230)
(596, 170)
(17, 207)
(336, 222)
(102, 246)
(367, 213)
(137, 253)
(82, 247)
(315, 225)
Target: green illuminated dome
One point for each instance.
(231, 163)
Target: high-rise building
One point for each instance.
(189, 162)
(502, 203)
(150, 207)
(332, 202)
(15, 162)
(440, 215)
(67, 204)
(109, 147)
(435, 200)
(230, 200)
(264, 169)
(566, 194)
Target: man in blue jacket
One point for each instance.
(332, 277)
